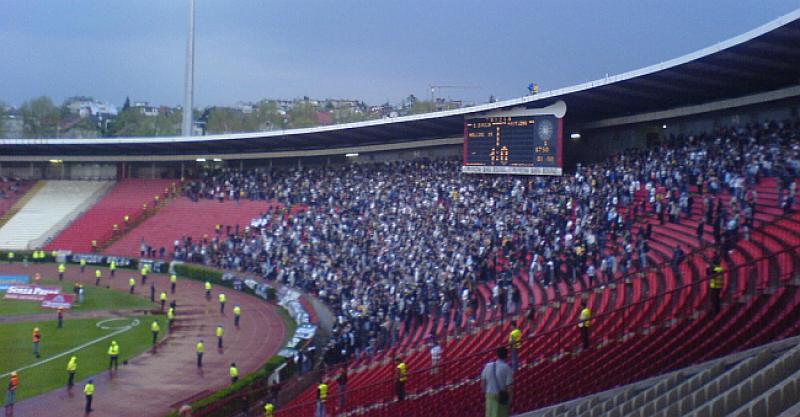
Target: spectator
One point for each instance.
(496, 383)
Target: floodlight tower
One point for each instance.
(186, 127)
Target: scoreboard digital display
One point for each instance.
(526, 145)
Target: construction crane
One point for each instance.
(434, 88)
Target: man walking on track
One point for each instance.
(155, 328)
(72, 367)
(88, 390)
(11, 394)
(113, 268)
(237, 313)
(132, 284)
(207, 287)
(143, 271)
(37, 338)
(61, 269)
(113, 355)
(220, 332)
(173, 281)
(200, 348)
(163, 299)
(83, 265)
(496, 380)
(170, 318)
(234, 371)
(97, 275)
(222, 303)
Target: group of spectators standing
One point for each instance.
(391, 245)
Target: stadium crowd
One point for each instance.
(400, 242)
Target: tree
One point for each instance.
(132, 123)
(40, 118)
(225, 120)
(303, 114)
(420, 106)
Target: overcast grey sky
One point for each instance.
(374, 50)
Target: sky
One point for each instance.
(376, 51)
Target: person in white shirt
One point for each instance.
(436, 357)
(497, 377)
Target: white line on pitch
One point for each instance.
(89, 343)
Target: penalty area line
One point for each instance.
(75, 349)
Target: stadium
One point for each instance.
(628, 246)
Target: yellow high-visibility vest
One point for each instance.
(268, 410)
(716, 277)
(220, 331)
(402, 372)
(515, 339)
(72, 365)
(88, 389)
(132, 282)
(322, 390)
(155, 327)
(586, 315)
(200, 347)
(208, 286)
(237, 311)
(234, 372)
(61, 268)
(113, 349)
(173, 278)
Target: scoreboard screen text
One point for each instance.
(527, 145)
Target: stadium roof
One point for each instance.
(762, 60)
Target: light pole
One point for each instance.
(186, 128)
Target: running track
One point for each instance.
(153, 384)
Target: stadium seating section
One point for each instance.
(125, 199)
(183, 217)
(11, 196)
(53, 206)
(762, 382)
(647, 324)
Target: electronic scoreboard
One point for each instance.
(513, 142)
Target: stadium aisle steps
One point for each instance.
(170, 223)
(126, 198)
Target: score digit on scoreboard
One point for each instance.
(525, 142)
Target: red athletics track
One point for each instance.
(152, 383)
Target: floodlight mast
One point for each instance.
(186, 126)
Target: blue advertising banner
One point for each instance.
(9, 280)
